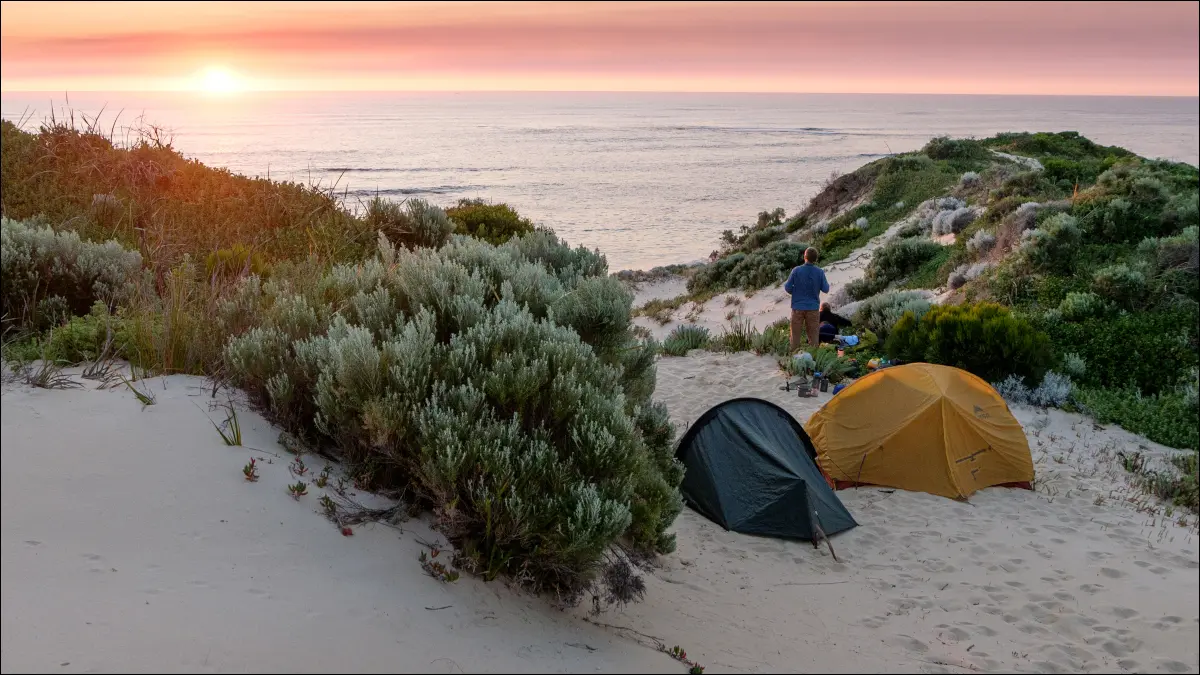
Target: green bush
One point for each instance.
(877, 315)
(506, 393)
(894, 261)
(230, 263)
(983, 338)
(37, 264)
(944, 147)
(82, 338)
(841, 236)
(1080, 306)
(1145, 351)
(493, 223)
(1121, 284)
(775, 339)
(413, 223)
(1052, 246)
(1163, 418)
(685, 338)
(765, 267)
(1067, 144)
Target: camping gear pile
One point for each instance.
(752, 468)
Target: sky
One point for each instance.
(1085, 48)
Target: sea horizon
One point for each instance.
(649, 178)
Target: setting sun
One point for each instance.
(219, 81)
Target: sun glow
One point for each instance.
(219, 81)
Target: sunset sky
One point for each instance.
(895, 47)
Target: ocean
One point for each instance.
(649, 179)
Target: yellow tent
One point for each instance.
(921, 427)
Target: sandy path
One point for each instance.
(762, 307)
(1071, 577)
(131, 542)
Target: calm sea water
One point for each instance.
(649, 179)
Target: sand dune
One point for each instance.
(132, 542)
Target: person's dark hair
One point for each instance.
(825, 307)
(810, 255)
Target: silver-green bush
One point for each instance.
(501, 386)
(879, 313)
(43, 272)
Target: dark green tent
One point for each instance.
(750, 469)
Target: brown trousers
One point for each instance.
(806, 325)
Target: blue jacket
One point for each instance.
(806, 283)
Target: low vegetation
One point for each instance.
(464, 357)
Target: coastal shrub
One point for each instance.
(493, 223)
(981, 243)
(739, 336)
(892, 262)
(775, 339)
(878, 314)
(1053, 392)
(841, 236)
(1146, 351)
(234, 262)
(412, 223)
(685, 338)
(862, 224)
(1165, 417)
(944, 147)
(1080, 306)
(37, 264)
(156, 200)
(82, 338)
(1052, 246)
(1074, 365)
(967, 272)
(767, 266)
(827, 362)
(1121, 284)
(512, 403)
(953, 222)
(982, 338)
(969, 179)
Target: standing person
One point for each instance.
(805, 284)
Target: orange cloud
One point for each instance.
(942, 47)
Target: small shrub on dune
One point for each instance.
(229, 263)
(1052, 246)
(841, 236)
(685, 338)
(767, 266)
(1121, 284)
(969, 179)
(983, 338)
(412, 223)
(892, 262)
(981, 244)
(944, 147)
(775, 339)
(953, 222)
(37, 263)
(493, 223)
(1080, 306)
(880, 313)
(1074, 365)
(500, 385)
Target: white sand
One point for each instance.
(131, 542)
(1071, 577)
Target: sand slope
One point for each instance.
(132, 542)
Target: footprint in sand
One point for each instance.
(1111, 573)
(1091, 589)
(1124, 612)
